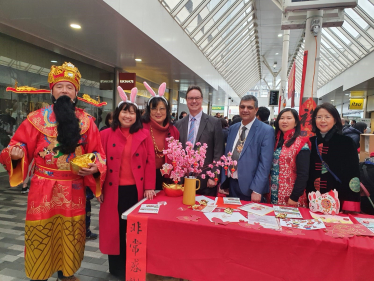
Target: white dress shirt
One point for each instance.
(248, 126)
(197, 124)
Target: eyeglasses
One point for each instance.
(155, 109)
(194, 98)
(326, 118)
(248, 107)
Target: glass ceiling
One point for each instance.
(341, 47)
(225, 31)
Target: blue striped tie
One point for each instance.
(191, 133)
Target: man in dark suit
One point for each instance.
(252, 144)
(200, 127)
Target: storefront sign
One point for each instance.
(106, 81)
(127, 80)
(356, 103)
(221, 108)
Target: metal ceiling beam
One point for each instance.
(222, 18)
(342, 43)
(353, 40)
(335, 59)
(365, 16)
(359, 29)
(178, 8)
(240, 76)
(235, 41)
(208, 18)
(338, 51)
(228, 25)
(246, 51)
(194, 14)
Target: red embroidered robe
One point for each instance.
(287, 167)
(55, 229)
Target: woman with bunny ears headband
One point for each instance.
(131, 177)
(157, 120)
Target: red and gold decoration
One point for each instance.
(173, 190)
(64, 73)
(82, 161)
(291, 84)
(87, 99)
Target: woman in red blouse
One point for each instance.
(157, 120)
(131, 176)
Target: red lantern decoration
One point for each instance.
(225, 170)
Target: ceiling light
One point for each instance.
(219, 99)
(275, 64)
(347, 94)
(76, 26)
(138, 59)
(276, 53)
(280, 35)
(54, 61)
(332, 100)
(176, 81)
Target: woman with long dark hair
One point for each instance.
(157, 120)
(290, 168)
(130, 177)
(333, 160)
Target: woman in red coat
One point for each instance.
(157, 120)
(131, 176)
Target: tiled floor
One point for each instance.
(12, 217)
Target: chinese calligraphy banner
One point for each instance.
(305, 114)
(291, 81)
(136, 244)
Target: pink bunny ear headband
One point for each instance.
(161, 92)
(123, 96)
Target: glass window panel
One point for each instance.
(198, 35)
(170, 4)
(367, 7)
(356, 50)
(350, 29)
(363, 41)
(182, 15)
(332, 40)
(356, 18)
(202, 15)
(340, 35)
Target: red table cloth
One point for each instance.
(204, 251)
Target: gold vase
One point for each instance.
(189, 192)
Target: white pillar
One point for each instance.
(282, 90)
(312, 45)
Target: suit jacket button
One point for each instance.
(110, 184)
(114, 144)
(141, 179)
(139, 167)
(111, 158)
(137, 154)
(111, 170)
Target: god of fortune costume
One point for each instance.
(55, 229)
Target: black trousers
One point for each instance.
(127, 197)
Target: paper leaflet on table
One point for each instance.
(369, 223)
(327, 203)
(149, 208)
(257, 209)
(289, 212)
(234, 217)
(302, 224)
(264, 221)
(331, 218)
(231, 201)
(202, 197)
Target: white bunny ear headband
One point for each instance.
(122, 94)
(161, 92)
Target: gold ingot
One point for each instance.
(82, 161)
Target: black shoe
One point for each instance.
(25, 190)
(93, 236)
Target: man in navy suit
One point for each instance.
(252, 144)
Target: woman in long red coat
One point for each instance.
(130, 177)
(157, 120)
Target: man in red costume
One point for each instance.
(55, 220)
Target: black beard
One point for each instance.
(68, 131)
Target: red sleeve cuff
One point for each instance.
(351, 206)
